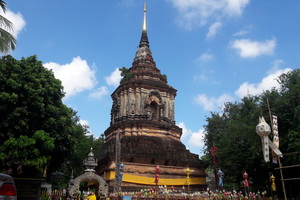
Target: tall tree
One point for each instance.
(233, 131)
(36, 128)
(7, 40)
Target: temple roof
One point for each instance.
(143, 72)
(143, 66)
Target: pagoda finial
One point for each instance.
(145, 21)
(144, 39)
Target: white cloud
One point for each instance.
(76, 76)
(86, 123)
(235, 7)
(247, 48)
(205, 57)
(197, 139)
(240, 33)
(276, 64)
(114, 78)
(99, 93)
(16, 19)
(212, 103)
(185, 131)
(213, 29)
(195, 13)
(267, 83)
(244, 31)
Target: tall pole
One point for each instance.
(282, 180)
(117, 162)
(270, 115)
(278, 158)
(188, 171)
(157, 171)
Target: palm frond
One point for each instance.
(3, 5)
(6, 24)
(7, 41)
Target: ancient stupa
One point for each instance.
(142, 116)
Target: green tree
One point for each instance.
(74, 163)
(7, 40)
(233, 131)
(36, 128)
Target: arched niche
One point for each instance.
(154, 105)
(102, 190)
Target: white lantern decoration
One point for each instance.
(263, 130)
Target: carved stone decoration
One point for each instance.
(157, 95)
(132, 107)
(116, 103)
(89, 177)
(115, 110)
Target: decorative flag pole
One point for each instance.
(263, 130)
(246, 182)
(157, 171)
(188, 172)
(213, 150)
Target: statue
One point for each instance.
(220, 174)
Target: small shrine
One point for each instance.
(89, 176)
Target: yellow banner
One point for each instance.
(150, 181)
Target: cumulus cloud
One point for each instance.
(267, 83)
(235, 7)
(99, 93)
(213, 29)
(212, 103)
(16, 19)
(197, 139)
(114, 78)
(76, 76)
(247, 48)
(195, 13)
(194, 139)
(185, 131)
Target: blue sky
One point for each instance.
(212, 51)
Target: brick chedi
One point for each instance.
(143, 115)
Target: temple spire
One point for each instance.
(144, 39)
(145, 13)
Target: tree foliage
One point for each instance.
(36, 128)
(233, 131)
(75, 161)
(126, 74)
